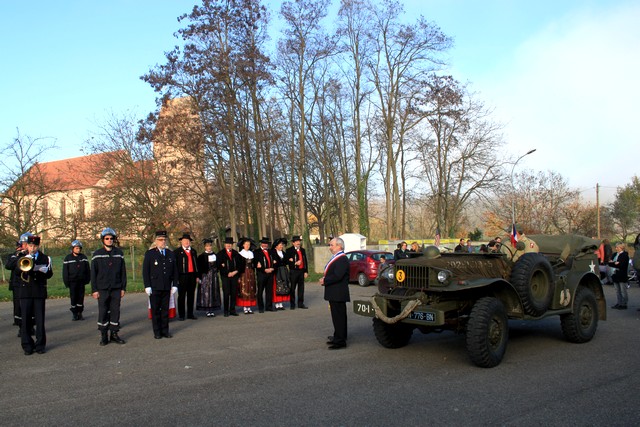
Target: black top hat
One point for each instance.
(186, 235)
(296, 238)
(207, 240)
(228, 240)
(34, 240)
(265, 240)
(161, 233)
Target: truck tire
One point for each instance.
(392, 336)
(532, 277)
(487, 332)
(580, 326)
(363, 280)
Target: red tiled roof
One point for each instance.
(76, 173)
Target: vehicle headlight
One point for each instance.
(443, 276)
(390, 275)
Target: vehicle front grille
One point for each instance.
(415, 276)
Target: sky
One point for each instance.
(562, 76)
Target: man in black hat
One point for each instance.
(32, 291)
(296, 259)
(160, 277)
(230, 265)
(264, 275)
(186, 258)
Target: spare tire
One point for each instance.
(532, 276)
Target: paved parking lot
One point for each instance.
(273, 369)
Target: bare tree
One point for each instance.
(24, 187)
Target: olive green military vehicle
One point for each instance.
(477, 293)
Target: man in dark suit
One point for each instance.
(296, 259)
(32, 292)
(160, 277)
(230, 266)
(336, 291)
(264, 275)
(186, 259)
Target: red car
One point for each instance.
(363, 265)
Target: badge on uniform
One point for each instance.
(156, 262)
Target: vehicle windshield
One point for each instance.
(377, 256)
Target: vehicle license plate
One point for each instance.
(421, 315)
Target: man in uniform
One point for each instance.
(160, 277)
(264, 275)
(296, 259)
(108, 285)
(524, 244)
(76, 273)
(21, 250)
(186, 259)
(32, 292)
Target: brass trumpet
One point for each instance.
(25, 264)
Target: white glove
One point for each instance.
(148, 290)
(174, 290)
(43, 268)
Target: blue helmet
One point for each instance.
(108, 232)
(76, 243)
(24, 237)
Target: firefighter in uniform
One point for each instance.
(76, 273)
(108, 285)
(160, 277)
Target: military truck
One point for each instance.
(475, 294)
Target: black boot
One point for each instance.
(80, 316)
(115, 338)
(105, 338)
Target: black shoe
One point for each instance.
(293, 307)
(157, 336)
(617, 306)
(261, 310)
(330, 342)
(337, 346)
(105, 339)
(167, 335)
(75, 317)
(233, 313)
(41, 351)
(304, 307)
(622, 307)
(80, 316)
(192, 317)
(226, 314)
(28, 352)
(270, 309)
(116, 339)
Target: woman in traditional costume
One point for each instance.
(208, 283)
(246, 297)
(281, 286)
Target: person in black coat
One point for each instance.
(230, 265)
(160, 277)
(264, 275)
(621, 275)
(21, 250)
(76, 274)
(336, 290)
(187, 260)
(296, 259)
(32, 291)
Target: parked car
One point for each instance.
(363, 265)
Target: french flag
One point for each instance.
(514, 235)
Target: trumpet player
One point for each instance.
(32, 270)
(21, 250)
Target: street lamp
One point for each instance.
(513, 187)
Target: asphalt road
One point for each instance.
(274, 369)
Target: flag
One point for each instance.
(437, 240)
(514, 235)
